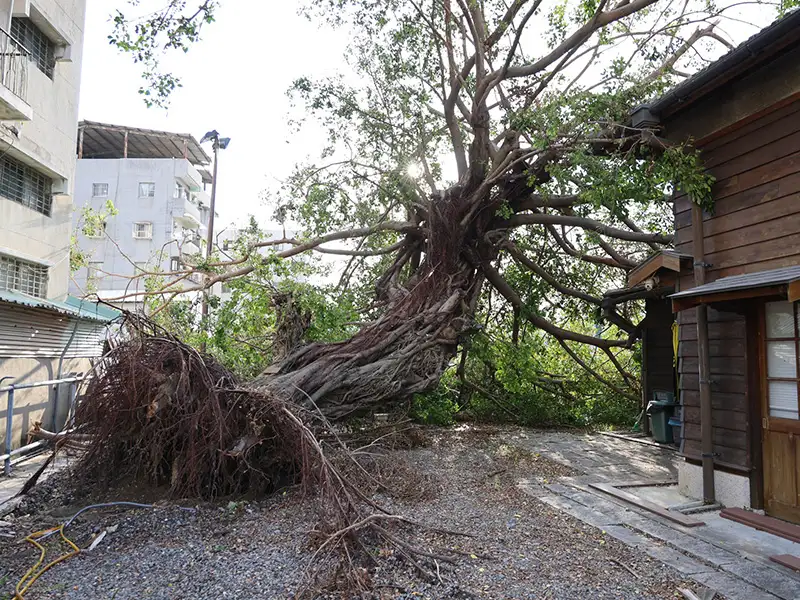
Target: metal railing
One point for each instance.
(14, 59)
(10, 390)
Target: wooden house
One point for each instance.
(737, 299)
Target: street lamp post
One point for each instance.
(218, 143)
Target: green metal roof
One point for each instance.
(72, 306)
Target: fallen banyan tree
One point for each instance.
(158, 412)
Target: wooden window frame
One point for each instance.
(769, 422)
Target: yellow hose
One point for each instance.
(33, 574)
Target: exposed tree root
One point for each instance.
(162, 414)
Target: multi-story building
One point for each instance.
(156, 182)
(43, 333)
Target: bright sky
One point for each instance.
(234, 81)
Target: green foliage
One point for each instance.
(534, 383)
(91, 222)
(439, 406)
(175, 26)
(239, 331)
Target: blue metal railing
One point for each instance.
(10, 390)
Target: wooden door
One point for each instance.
(780, 416)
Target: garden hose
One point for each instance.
(35, 572)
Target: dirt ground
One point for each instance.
(463, 479)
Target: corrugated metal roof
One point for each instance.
(35, 332)
(104, 140)
(73, 307)
(744, 282)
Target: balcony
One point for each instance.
(191, 178)
(191, 245)
(187, 213)
(14, 60)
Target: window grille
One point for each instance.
(42, 49)
(147, 189)
(99, 190)
(23, 276)
(142, 231)
(23, 184)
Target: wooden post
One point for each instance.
(645, 386)
(80, 143)
(125, 146)
(185, 148)
(704, 362)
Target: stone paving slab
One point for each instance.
(677, 560)
(765, 578)
(710, 558)
(731, 587)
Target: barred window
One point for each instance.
(23, 276)
(42, 49)
(99, 190)
(23, 184)
(143, 231)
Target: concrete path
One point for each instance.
(20, 473)
(727, 557)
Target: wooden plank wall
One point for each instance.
(727, 346)
(755, 227)
(756, 221)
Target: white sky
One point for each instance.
(234, 81)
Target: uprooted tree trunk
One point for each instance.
(402, 353)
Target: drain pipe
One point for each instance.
(706, 430)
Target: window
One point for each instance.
(174, 264)
(95, 271)
(226, 244)
(94, 232)
(43, 51)
(143, 231)
(23, 184)
(147, 189)
(783, 376)
(99, 190)
(181, 192)
(22, 276)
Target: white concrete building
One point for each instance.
(156, 181)
(43, 333)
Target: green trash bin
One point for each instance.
(660, 412)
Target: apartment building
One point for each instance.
(44, 334)
(156, 181)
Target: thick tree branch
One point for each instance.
(520, 257)
(579, 37)
(505, 289)
(594, 373)
(588, 224)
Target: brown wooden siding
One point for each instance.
(755, 226)
(756, 221)
(730, 420)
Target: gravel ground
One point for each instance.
(260, 549)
